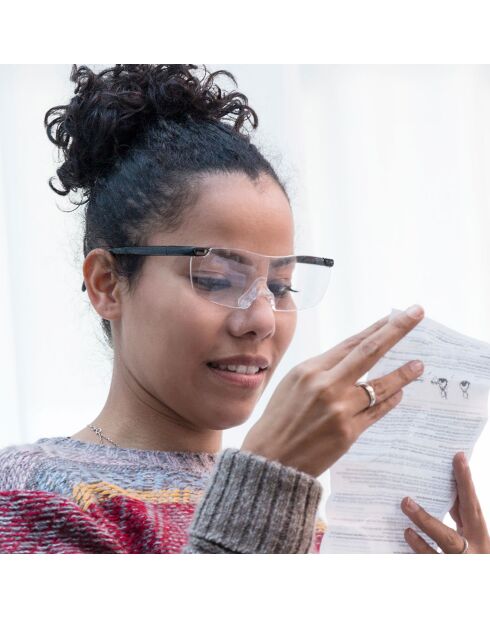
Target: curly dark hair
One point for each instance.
(136, 139)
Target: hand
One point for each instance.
(466, 512)
(317, 411)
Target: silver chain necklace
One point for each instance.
(98, 431)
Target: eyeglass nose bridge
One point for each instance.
(258, 288)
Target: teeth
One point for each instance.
(237, 368)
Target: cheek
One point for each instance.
(190, 328)
(151, 321)
(287, 327)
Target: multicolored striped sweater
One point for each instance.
(60, 495)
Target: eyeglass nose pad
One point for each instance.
(254, 292)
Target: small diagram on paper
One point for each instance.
(465, 386)
(442, 384)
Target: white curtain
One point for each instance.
(388, 171)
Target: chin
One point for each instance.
(227, 420)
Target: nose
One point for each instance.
(257, 289)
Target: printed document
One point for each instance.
(409, 451)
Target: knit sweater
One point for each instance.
(60, 495)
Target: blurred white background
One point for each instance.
(388, 168)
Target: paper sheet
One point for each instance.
(409, 451)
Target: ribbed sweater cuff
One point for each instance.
(255, 505)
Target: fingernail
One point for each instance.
(463, 460)
(415, 311)
(411, 505)
(417, 366)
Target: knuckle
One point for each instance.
(344, 433)
(423, 517)
(406, 374)
(370, 348)
(304, 374)
(338, 410)
(452, 541)
(325, 394)
(352, 342)
(380, 388)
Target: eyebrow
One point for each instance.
(284, 260)
(244, 260)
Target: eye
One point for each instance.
(210, 283)
(281, 289)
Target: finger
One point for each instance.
(370, 350)
(368, 417)
(469, 505)
(454, 512)
(329, 359)
(417, 543)
(388, 385)
(448, 539)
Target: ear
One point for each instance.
(103, 286)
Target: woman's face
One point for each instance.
(167, 334)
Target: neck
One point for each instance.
(133, 418)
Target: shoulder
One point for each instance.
(20, 462)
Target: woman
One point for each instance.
(189, 261)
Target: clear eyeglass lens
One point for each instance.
(228, 277)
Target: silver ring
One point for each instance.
(370, 391)
(465, 548)
(463, 551)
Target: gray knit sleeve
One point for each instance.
(254, 505)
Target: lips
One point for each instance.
(242, 380)
(212, 365)
(243, 359)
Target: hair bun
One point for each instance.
(112, 108)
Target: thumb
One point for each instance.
(454, 512)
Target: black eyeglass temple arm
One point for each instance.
(189, 250)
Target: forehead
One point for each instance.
(231, 210)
